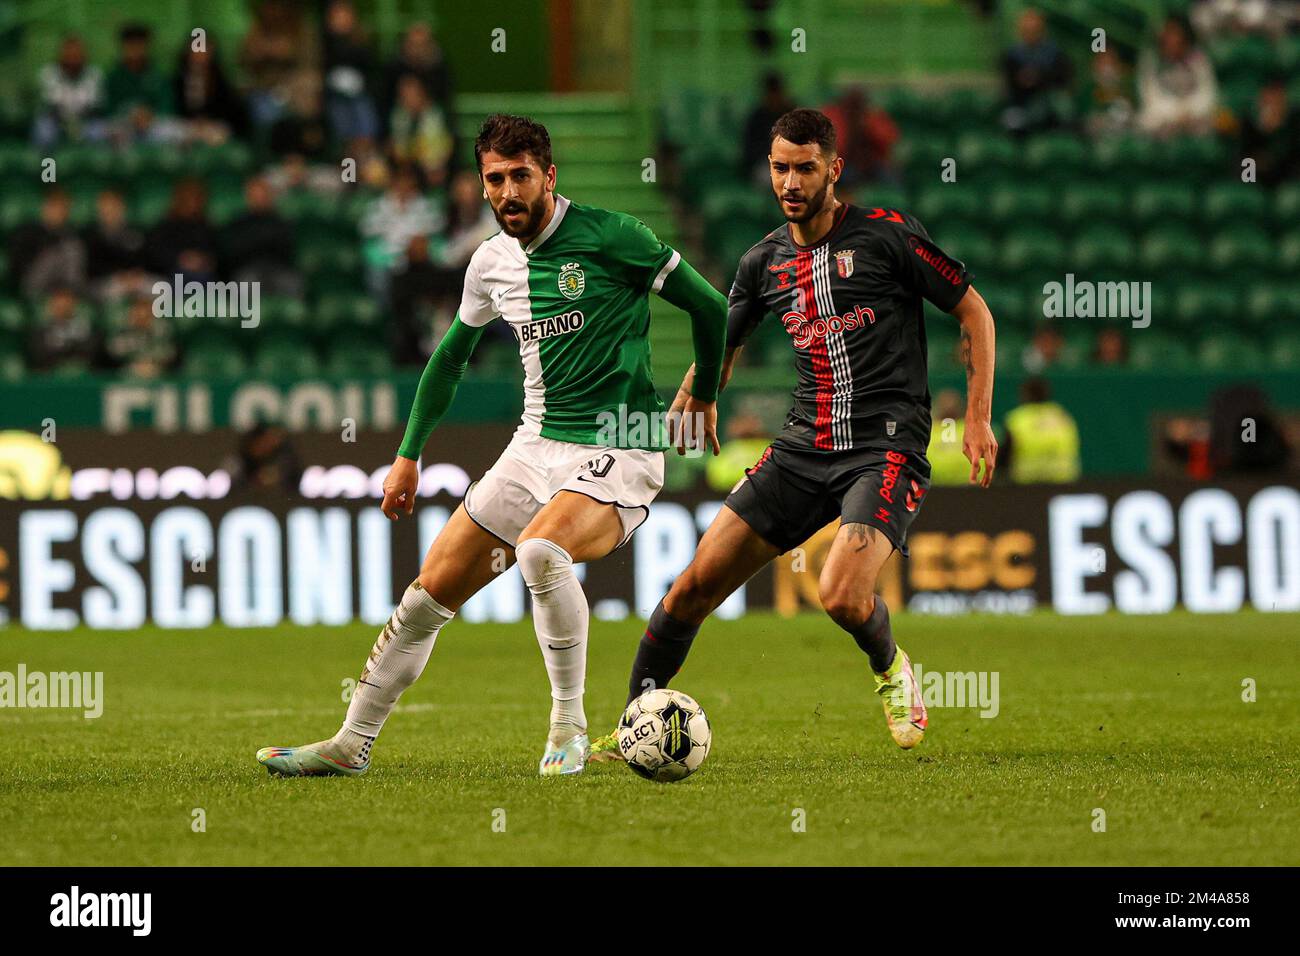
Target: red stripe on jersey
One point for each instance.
(821, 362)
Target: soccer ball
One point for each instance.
(664, 735)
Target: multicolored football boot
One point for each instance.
(904, 709)
(605, 749)
(567, 758)
(320, 759)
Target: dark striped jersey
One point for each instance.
(851, 305)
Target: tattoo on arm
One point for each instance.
(966, 355)
(862, 535)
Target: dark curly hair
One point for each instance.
(805, 126)
(513, 136)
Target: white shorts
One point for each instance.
(532, 470)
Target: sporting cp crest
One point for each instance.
(844, 263)
(572, 281)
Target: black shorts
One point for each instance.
(789, 495)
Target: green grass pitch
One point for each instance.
(1141, 717)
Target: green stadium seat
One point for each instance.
(1286, 204)
(1241, 250)
(13, 367)
(18, 208)
(1021, 203)
(1198, 156)
(346, 310)
(282, 312)
(948, 202)
(1156, 203)
(357, 357)
(1056, 156)
(281, 358)
(1229, 352)
(1150, 350)
(982, 155)
(1288, 252)
(974, 246)
(1085, 203)
(1013, 305)
(1032, 250)
(1168, 250)
(1127, 156)
(13, 316)
(1227, 203)
(1284, 350)
(1101, 248)
(216, 361)
(1204, 304)
(1268, 305)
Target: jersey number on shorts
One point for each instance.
(599, 467)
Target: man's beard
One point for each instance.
(531, 223)
(812, 204)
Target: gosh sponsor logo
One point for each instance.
(804, 331)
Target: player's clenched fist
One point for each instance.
(400, 487)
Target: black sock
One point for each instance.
(664, 647)
(876, 638)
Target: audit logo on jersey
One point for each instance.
(804, 331)
(555, 325)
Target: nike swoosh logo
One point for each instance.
(554, 648)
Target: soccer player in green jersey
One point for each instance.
(577, 479)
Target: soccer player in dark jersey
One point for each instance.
(847, 283)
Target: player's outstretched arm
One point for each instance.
(977, 339)
(432, 399)
(684, 397)
(698, 396)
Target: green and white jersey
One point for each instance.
(577, 300)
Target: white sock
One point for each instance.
(399, 655)
(560, 619)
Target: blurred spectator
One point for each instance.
(48, 254)
(137, 94)
(1176, 86)
(114, 248)
(281, 58)
(1187, 440)
(1214, 18)
(205, 98)
(1107, 101)
(1245, 435)
(258, 245)
(295, 174)
(266, 461)
(1042, 440)
(392, 221)
(948, 464)
(1111, 347)
(746, 440)
(348, 68)
(1044, 349)
(773, 103)
(1271, 135)
(865, 136)
(419, 131)
(143, 346)
(303, 130)
(469, 222)
(64, 339)
(419, 55)
(71, 96)
(423, 303)
(184, 242)
(1037, 77)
